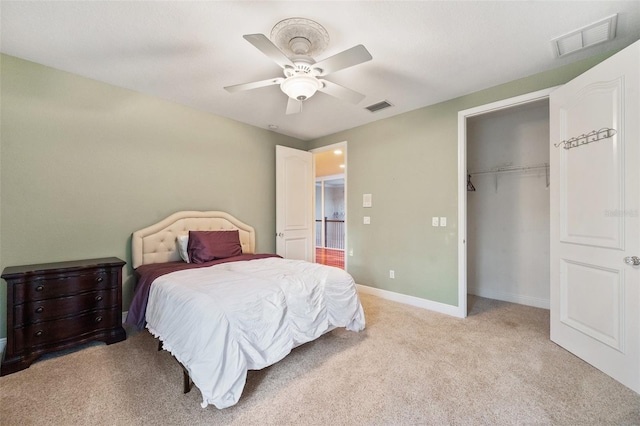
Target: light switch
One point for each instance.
(366, 200)
(366, 220)
(434, 221)
(443, 221)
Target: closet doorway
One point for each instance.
(504, 203)
(330, 204)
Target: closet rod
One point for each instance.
(507, 169)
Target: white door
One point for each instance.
(294, 204)
(595, 205)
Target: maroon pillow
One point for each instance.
(205, 246)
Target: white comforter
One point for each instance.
(223, 320)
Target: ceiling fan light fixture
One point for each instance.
(300, 87)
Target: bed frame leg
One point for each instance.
(187, 384)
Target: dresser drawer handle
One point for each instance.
(39, 309)
(39, 333)
(98, 298)
(99, 279)
(40, 288)
(98, 319)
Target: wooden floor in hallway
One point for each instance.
(330, 257)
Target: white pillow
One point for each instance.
(183, 241)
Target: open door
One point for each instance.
(595, 223)
(294, 204)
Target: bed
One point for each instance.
(221, 310)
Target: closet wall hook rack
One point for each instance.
(593, 136)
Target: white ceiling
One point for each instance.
(423, 52)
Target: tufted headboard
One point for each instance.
(157, 243)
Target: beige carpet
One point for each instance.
(410, 366)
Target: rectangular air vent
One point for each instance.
(378, 106)
(593, 34)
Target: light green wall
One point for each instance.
(409, 163)
(84, 164)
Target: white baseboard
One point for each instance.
(412, 301)
(124, 316)
(536, 302)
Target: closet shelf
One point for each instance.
(508, 169)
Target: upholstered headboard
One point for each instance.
(157, 243)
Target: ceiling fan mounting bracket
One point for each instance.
(300, 36)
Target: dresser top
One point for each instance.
(11, 271)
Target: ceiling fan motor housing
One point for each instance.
(301, 68)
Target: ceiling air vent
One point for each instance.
(378, 106)
(590, 35)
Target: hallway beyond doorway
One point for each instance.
(330, 257)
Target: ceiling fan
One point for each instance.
(297, 41)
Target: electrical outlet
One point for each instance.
(392, 273)
(366, 220)
(434, 221)
(351, 252)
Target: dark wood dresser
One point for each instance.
(56, 306)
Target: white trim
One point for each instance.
(412, 300)
(321, 180)
(330, 177)
(536, 302)
(124, 316)
(331, 147)
(462, 180)
(344, 147)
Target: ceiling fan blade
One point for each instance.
(263, 44)
(348, 58)
(341, 92)
(294, 106)
(253, 85)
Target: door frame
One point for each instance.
(322, 180)
(332, 147)
(462, 180)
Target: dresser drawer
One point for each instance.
(45, 310)
(59, 286)
(56, 306)
(33, 335)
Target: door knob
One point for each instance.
(632, 260)
(280, 234)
